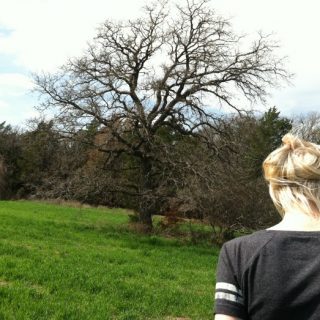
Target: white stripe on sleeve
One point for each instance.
(228, 286)
(229, 297)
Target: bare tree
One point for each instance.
(168, 70)
(308, 126)
(226, 191)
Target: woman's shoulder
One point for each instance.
(256, 238)
(245, 248)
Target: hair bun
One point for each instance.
(291, 141)
(296, 160)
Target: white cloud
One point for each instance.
(14, 84)
(45, 33)
(3, 105)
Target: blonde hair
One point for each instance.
(293, 173)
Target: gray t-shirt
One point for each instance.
(270, 275)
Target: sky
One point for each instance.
(40, 35)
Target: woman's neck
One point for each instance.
(298, 221)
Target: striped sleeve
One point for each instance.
(229, 298)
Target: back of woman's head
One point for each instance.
(293, 173)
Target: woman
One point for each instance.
(274, 274)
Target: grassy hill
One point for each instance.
(59, 262)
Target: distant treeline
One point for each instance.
(223, 185)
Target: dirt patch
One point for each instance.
(39, 289)
(4, 283)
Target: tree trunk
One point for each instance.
(145, 218)
(146, 199)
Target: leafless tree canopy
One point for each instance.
(308, 126)
(170, 68)
(161, 69)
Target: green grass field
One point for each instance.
(59, 262)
